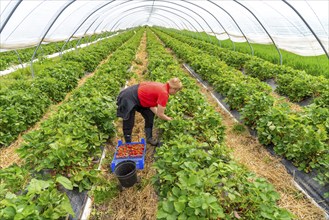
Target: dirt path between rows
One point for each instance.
(140, 201)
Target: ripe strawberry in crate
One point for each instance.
(136, 150)
(123, 152)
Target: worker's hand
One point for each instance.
(160, 113)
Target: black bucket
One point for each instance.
(126, 173)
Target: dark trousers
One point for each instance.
(147, 114)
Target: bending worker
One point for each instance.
(149, 99)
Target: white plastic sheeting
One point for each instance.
(24, 23)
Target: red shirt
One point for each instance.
(150, 94)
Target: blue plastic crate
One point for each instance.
(138, 160)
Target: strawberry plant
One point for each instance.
(322, 168)
(297, 88)
(323, 99)
(294, 137)
(14, 177)
(257, 106)
(53, 88)
(41, 200)
(256, 68)
(20, 109)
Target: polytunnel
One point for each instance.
(233, 99)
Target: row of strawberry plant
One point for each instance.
(313, 65)
(196, 176)
(10, 58)
(65, 145)
(295, 84)
(311, 115)
(70, 137)
(24, 100)
(230, 82)
(301, 137)
(91, 56)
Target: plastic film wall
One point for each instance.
(297, 26)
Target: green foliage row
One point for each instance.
(298, 136)
(26, 99)
(301, 137)
(295, 84)
(41, 201)
(69, 138)
(196, 177)
(230, 82)
(10, 58)
(313, 65)
(63, 148)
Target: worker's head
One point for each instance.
(174, 85)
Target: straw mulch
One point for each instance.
(139, 201)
